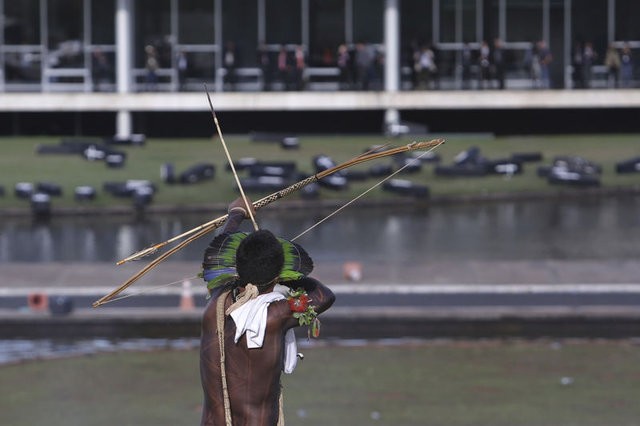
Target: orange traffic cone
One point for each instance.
(186, 299)
(352, 271)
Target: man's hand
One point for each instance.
(239, 205)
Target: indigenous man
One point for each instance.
(240, 368)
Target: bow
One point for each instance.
(205, 228)
(226, 151)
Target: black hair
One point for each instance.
(259, 259)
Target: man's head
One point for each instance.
(259, 259)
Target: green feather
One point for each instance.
(288, 275)
(221, 280)
(221, 256)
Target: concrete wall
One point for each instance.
(314, 101)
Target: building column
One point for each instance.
(219, 42)
(568, 46)
(392, 56)
(124, 41)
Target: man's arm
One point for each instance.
(320, 295)
(237, 213)
(234, 220)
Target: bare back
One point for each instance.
(253, 375)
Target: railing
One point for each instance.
(167, 80)
(246, 79)
(322, 78)
(252, 79)
(66, 79)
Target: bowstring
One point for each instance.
(411, 162)
(149, 289)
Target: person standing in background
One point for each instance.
(497, 56)
(181, 64)
(284, 67)
(626, 66)
(151, 65)
(264, 60)
(576, 63)
(426, 68)
(612, 62)
(101, 70)
(230, 61)
(484, 65)
(300, 63)
(589, 57)
(545, 58)
(364, 64)
(344, 65)
(466, 67)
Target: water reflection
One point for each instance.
(605, 228)
(17, 350)
(20, 350)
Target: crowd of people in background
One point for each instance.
(486, 66)
(618, 64)
(360, 66)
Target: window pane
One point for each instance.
(22, 22)
(415, 30)
(524, 20)
(22, 67)
(65, 42)
(21, 19)
(448, 13)
(491, 18)
(200, 67)
(590, 24)
(368, 20)
(240, 26)
(627, 13)
(195, 22)
(283, 22)
(415, 25)
(103, 22)
(469, 21)
(152, 28)
(447, 21)
(327, 28)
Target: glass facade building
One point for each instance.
(235, 45)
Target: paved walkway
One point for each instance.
(450, 282)
(107, 275)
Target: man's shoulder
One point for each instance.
(211, 307)
(280, 313)
(279, 308)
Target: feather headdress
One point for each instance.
(219, 266)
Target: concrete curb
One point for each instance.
(342, 323)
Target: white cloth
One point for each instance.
(251, 319)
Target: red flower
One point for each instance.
(299, 304)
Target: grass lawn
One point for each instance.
(491, 382)
(20, 163)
